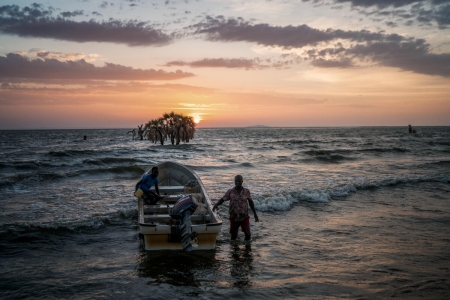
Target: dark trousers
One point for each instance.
(150, 197)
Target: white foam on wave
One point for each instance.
(282, 202)
(78, 222)
(343, 191)
(274, 203)
(281, 199)
(314, 196)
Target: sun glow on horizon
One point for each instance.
(197, 118)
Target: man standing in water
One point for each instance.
(240, 199)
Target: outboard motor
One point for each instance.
(181, 212)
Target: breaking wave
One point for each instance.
(283, 200)
(26, 231)
(132, 171)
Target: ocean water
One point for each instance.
(345, 213)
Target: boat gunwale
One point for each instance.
(217, 217)
(204, 224)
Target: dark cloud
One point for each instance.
(412, 55)
(391, 50)
(44, 54)
(427, 12)
(424, 12)
(441, 15)
(69, 14)
(379, 3)
(388, 3)
(105, 4)
(234, 63)
(236, 30)
(391, 24)
(36, 22)
(237, 63)
(331, 63)
(17, 66)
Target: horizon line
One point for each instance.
(219, 127)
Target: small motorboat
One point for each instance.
(183, 219)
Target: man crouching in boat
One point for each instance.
(239, 196)
(146, 182)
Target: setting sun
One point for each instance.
(197, 118)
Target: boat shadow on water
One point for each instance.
(230, 266)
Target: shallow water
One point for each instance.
(357, 213)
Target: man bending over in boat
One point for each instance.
(240, 199)
(146, 182)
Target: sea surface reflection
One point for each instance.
(176, 267)
(229, 266)
(241, 265)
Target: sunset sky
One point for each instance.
(118, 64)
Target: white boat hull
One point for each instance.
(155, 223)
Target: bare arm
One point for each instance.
(218, 203)
(252, 206)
